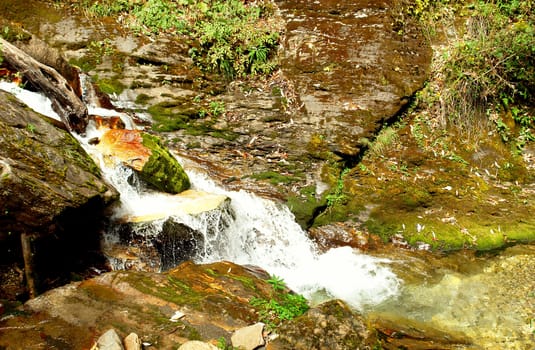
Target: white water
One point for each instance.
(259, 232)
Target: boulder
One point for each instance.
(352, 69)
(331, 325)
(153, 246)
(214, 298)
(249, 338)
(50, 190)
(146, 155)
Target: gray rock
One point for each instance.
(110, 341)
(249, 338)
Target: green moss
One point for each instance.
(172, 290)
(110, 86)
(142, 99)
(306, 206)
(162, 170)
(274, 177)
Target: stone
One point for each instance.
(51, 189)
(331, 325)
(145, 154)
(197, 345)
(132, 342)
(190, 202)
(349, 91)
(215, 298)
(110, 341)
(249, 338)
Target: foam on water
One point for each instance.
(36, 101)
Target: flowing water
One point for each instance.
(253, 230)
(492, 300)
(257, 231)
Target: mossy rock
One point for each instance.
(162, 170)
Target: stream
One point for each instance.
(491, 299)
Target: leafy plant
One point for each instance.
(337, 196)
(234, 38)
(282, 306)
(276, 282)
(223, 345)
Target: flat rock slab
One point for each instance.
(352, 70)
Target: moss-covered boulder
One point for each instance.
(50, 190)
(162, 170)
(147, 156)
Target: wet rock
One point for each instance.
(163, 51)
(49, 188)
(132, 342)
(214, 298)
(249, 338)
(197, 345)
(343, 234)
(153, 246)
(145, 154)
(331, 325)
(400, 333)
(352, 70)
(155, 241)
(110, 341)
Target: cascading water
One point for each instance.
(253, 231)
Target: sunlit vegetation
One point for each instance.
(230, 37)
(486, 80)
(282, 306)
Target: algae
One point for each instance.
(162, 170)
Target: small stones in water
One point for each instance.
(249, 338)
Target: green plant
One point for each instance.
(233, 38)
(217, 108)
(282, 306)
(30, 127)
(337, 196)
(276, 282)
(223, 345)
(493, 68)
(272, 312)
(386, 137)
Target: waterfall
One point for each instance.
(257, 231)
(265, 233)
(252, 230)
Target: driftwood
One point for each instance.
(27, 254)
(65, 102)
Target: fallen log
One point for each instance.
(65, 101)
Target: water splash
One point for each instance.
(261, 232)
